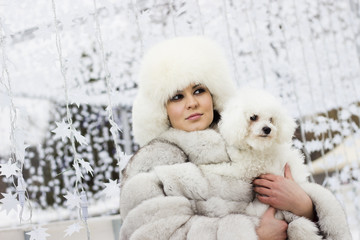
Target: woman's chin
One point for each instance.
(196, 127)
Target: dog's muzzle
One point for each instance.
(266, 130)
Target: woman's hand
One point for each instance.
(270, 227)
(284, 193)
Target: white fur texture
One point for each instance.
(166, 194)
(200, 146)
(176, 195)
(258, 132)
(332, 218)
(253, 152)
(241, 132)
(171, 66)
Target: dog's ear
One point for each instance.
(286, 126)
(234, 124)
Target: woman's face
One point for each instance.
(191, 109)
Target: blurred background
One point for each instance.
(306, 52)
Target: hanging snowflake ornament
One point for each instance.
(78, 172)
(80, 138)
(9, 202)
(62, 130)
(114, 127)
(73, 228)
(86, 165)
(9, 169)
(72, 200)
(20, 145)
(112, 189)
(38, 233)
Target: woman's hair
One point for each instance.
(171, 66)
(216, 119)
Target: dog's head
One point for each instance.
(255, 119)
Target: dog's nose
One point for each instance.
(266, 130)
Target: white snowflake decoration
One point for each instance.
(80, 138)
(73, 200)
(78, 173)
(62, 130)
(38, 233)
(70, 230)
(112, 189)
(9, 202)
(9, 169)
(20, 145)
(86, 165)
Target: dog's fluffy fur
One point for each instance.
(258, 133)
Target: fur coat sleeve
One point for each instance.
(332, 220)
(164, 196)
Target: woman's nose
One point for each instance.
(192, 102)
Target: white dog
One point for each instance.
(258, 133)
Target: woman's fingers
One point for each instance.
(264, 199)
(287, 172)
(270, 212)
(267, 180)
(262, 191)
(268, 176)
(283, 193)
(265, 192)
(270, 227)
(272, 177)
(262, 183)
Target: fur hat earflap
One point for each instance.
(172, 66)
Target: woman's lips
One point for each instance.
(194, 116)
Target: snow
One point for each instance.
(306, 52)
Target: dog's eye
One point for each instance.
(254, 117)
(271, 120)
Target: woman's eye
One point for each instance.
(254, 117)
(199, 90)
(176, 97)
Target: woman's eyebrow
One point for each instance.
(196, 85)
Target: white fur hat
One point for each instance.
(171, 66)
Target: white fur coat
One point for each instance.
(164, 195)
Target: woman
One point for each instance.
(184, 84)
